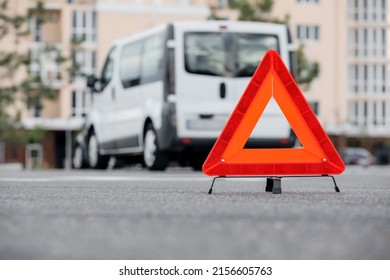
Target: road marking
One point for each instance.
(124, 179)
(103, 178)
(24, 180)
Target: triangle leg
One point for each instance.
(212, 184)
(277, 189)
(269, 185)
(274, 185)
(336, 188)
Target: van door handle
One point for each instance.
(222, 90)
(113, 93)
(206, 116)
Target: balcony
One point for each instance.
(46, 63)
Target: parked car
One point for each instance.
(358, 156)
(168, 91)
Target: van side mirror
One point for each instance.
(91, 80)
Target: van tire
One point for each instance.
(78, 159)
(197, 160)
(153, 157)
(95, 159)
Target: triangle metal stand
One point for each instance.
(274, 183)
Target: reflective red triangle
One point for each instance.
(318, 156)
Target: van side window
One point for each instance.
(152, 59)
(130, 64)
(108, 69)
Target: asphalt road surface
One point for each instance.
(135, 214)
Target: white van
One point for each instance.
(168, 91)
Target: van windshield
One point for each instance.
(226, 54)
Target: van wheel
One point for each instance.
(78, 159)
(154, 158)
(95, 159)
(197, 160)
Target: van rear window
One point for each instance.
(226, 54)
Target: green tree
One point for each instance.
(10, 62)
(31, 89)
(74, 68)
(265, 6)
(307, 70)
(253, 11)
(247, 11)
(260, 10)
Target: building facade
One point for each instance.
(81, 30)
(349, 39)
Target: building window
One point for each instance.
(368, 113)
(367, 10)
(44, 63)
(81, 102)
(368, 79)
(383, 9)
(367, 42)
(84, 26)
(35, 29)
(308, 33)
(315, 106)
(84, 62)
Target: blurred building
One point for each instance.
(94, 24)
(349, 39)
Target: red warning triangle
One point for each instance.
(317, 156)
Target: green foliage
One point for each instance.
(265, 6)
(285, 20)
(253, 11)
(74, 69)
(38, 12)
(247, 12)
(213, 16)
(234, 4)
(32, 89)
(15, 136)
(260, 10)
(307, 71)
(12, 23)
(10, 62)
